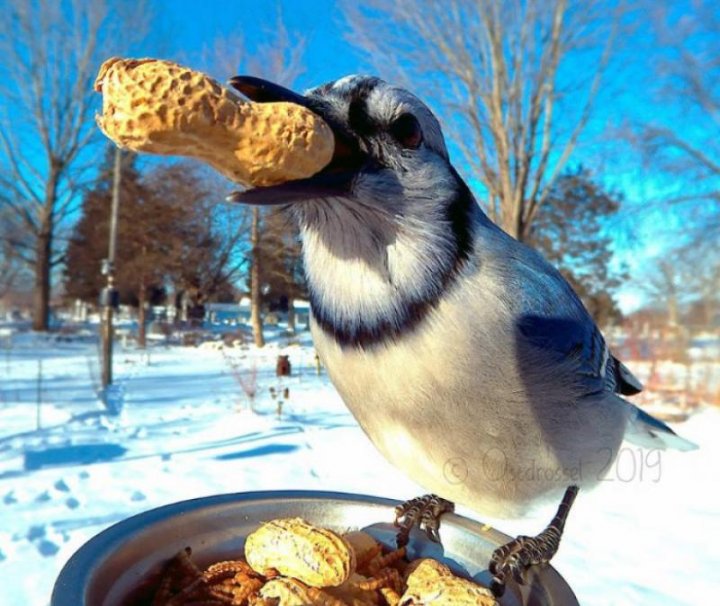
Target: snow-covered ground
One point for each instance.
(68, 470)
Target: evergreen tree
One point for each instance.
(88, 244)
(569, 233)
(169, 235)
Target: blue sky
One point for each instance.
(183, 30)
(185, 27)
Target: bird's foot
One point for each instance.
(423, 512)
(514, 559)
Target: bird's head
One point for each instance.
(389, 148)
(389, 214)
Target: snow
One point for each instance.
(68, 470)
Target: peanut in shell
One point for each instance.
(291, 592)
(316, 556)
(164, 108)
(431, 583)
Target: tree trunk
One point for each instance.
(710, 300)
(511, 218)
(510, 222)
(708, 307)
(291, 314)
(142, 334)
(255, 295)
(43, 256)
(41, 293)
(672, 310)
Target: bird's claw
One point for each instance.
(423, 512)
(515, 558)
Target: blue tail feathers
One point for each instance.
(647, 431)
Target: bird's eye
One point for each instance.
(407, 132)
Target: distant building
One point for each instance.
(239, 313)
(228, 313)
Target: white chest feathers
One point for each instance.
(365, 273)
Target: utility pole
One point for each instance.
(109, 296)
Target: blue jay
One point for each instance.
(465, 356)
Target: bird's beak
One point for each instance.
(335, 180)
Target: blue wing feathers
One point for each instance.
(583, 342)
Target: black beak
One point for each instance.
(335, 180)
(262, 91)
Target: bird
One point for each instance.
(464, 355)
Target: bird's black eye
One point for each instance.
(407, 132)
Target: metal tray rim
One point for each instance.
(71, 585)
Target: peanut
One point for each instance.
(291, 592)
(315, 556)
(432, 584)
(164, 108)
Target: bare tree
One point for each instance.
(280, 59)
(705, 284)
(699, 264)
(682, 141)
(281, 258)
(51, 53)
(500, 72)
(212, 234)
(686, 282)
(664, 285)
